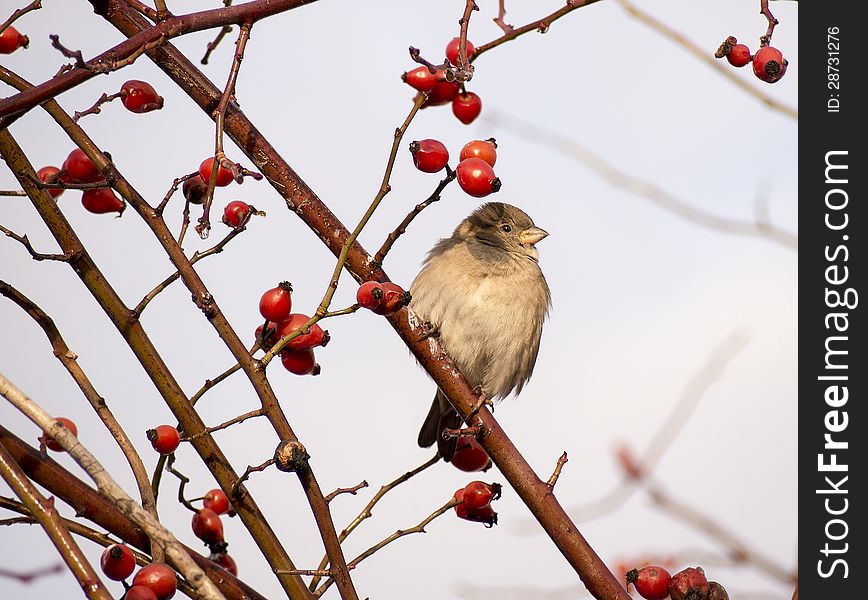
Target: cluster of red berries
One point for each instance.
(769, 63)
(475, 502)
(156, 581)
(475, 171)
(11, 40)
(237, 212)
(78, 168)
(385, 298)
(655, 583)
(466, 106)
(297, 355)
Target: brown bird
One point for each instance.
(484, 297)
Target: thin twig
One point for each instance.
(650, 191)
(349, 490)
(367, 512)
(197, 256)
(172, 189)
(234, 421)
(184, 480)
(95, 109)
(311, 572)
(219, 114)
(13, 193)
(704, 55)
(402, 228)
(499, 19)
(20, 12)
(557, 472)
(541, 25)
(464, 71)
(420, 528)
(767, 13)
(73, 54)
(22, 239)
(236, 487)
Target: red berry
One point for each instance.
(478, 494)
(11, 40)
(484, 514)
(139, 592)
(476, 177)
(313, 338)
(738, 55)
(716, 591)
(164, 438)
(118, 562)
(194, 190)
(236, 213)
(300, 362)
(48, 175)
(50, 443)
(101, 201)
(443, 91)
(689, 584)
(224, 175)
(160, 578)
(276, 304)
(651, 582)
(769, 64)
(466, 107)
(370, 294)
(452, 50)
(470, 456)
(270, 336)
(208, 527)
(429, 156)
(217, 501)
(79, 168)
(482, 149)
(420, 79)
(228, 563)
(140, 97)
(394, 299)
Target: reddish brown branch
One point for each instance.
(500, 18)
(464, 70)
(73, 54)
(20, 12)
(541, 25)
(767, 13)
(148, 35)
(349, 490)
(95, 109)
(22, 239)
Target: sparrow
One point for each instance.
(483, 295)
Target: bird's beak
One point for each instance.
(532, 235)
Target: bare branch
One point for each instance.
(557, 472)
(22, 239)
(350, 490)
(650, 191)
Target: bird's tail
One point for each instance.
(441, 416)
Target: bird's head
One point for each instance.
(504, 227)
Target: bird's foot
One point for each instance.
(484, 400)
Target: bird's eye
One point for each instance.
(505, 228)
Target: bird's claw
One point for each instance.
(484, 400)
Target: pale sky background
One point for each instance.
(641, 297)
